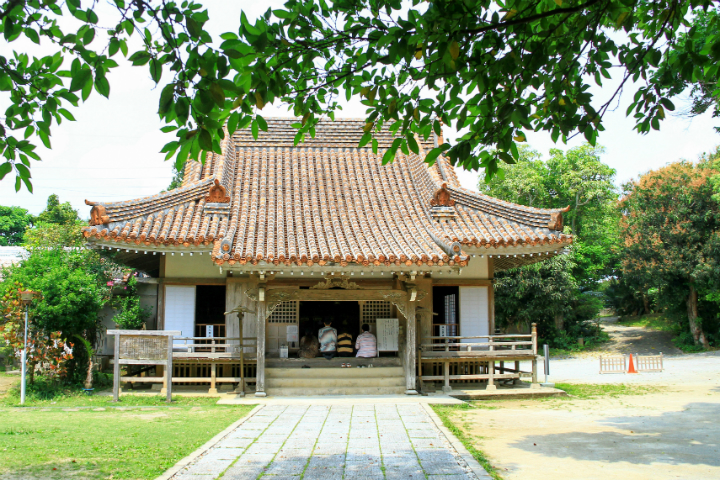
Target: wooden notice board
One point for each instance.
(388, 330)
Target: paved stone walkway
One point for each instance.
(350, 442)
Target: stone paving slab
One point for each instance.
(329, 442)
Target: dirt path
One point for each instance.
(664, 435)
(626, 340)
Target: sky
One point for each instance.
(111, 152)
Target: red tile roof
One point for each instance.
(324, 201)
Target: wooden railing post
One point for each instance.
(446, 374)
(535, 383)
(169, 369)
(116, 370)
(491, 368)
(213, 377)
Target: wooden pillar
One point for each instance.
(491, 367)
(116, 370)
(446, 373)
(535, 383)
(491, 373)
(260, 376)
(410, 349)
(213, 376)
(169, 369)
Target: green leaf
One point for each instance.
(193, 27)
(18, 183)
(254, 129)
(367, 136)
(233, 122)
(667, 104)
(5, 168)
(32, 35)
(155, 70)
(412, 144)
(101, 84)
(262, 123)
(182, 110)
(45, 139)
(28, 184)
(113, 47)
(65, 113)
(91, 16)
(140, 58)
(166, 98)
(432, 156)
(22, 170)
(80, 79)
(205, 140)
(218, 94)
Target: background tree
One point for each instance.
(495, 69)
(57, 226)
(577, 178)
(559, 293)
(58, 213)
(13, 222)
(547, 293)
(130, 314)
(178, 175)
(524, 182)
(671, 233)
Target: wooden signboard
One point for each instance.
(388, 330)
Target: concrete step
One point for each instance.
(334, 382)
(335, 372)
(304, 391)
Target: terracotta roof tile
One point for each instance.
(323, 201)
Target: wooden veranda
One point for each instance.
(477, 358)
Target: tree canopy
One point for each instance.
(495, 69)
(671, 233)
(13, 222)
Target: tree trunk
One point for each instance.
(560, 321)
(646, 304)
(695, 326)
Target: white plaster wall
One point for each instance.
(197, 266)
(477, 269)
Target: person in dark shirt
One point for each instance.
(309, 345)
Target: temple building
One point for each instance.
(301, 234)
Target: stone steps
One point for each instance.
(335, 381)
(305, 391)
(334, 372)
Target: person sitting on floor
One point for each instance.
(344, 345)
(328, 340)
(308, 345)
(366, 343)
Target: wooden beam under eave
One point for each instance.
(461, 282)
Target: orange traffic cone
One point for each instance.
(631, 365)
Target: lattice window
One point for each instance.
(286, 312)
(373, 309)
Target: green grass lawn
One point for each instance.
(655, 321)
(581, 390)
(447, 413)
(91, 443)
